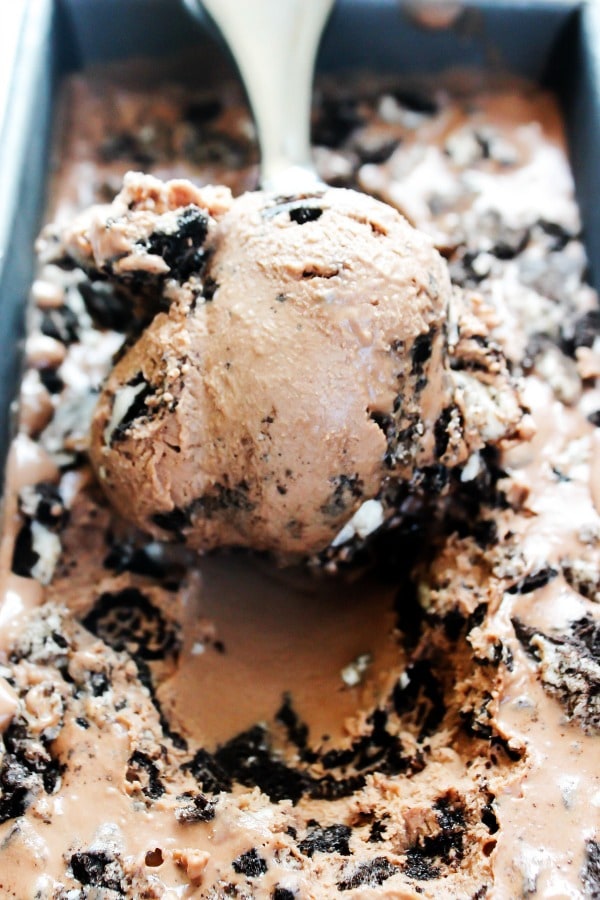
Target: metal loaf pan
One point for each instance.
(551, 42)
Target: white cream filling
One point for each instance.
(121, 403)
(367, 518)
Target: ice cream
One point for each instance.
(300, 382)
(424, 725)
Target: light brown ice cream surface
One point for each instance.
(424, 723)
(302, 376)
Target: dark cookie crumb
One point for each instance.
(590, 874)
(297, 731)
(419, 867)
(303, 214)
(569, 666)
(534, 581)
(141, 768)
(370, 874)
(420, 691)
(208, 772)
(378, 153)
(347, 489)
(415, 101)
(220, 500)
(327, 839)
(98, 869)
(51, 380)
(247, 759)
(105, 306)
(136, 410)
(440, 431)
(195, 808)
(173, 521)
(199, 112)
(61, 324)
(582, 332)
(127, 620)
(377, 832)
(594, 418)
(99, 683)
(44, 503)
(24, 556)
(181, 248)
(421, 351)
(489, 818)
(209, 288)
(125, 557)
(250, 864)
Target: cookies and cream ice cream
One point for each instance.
(300, 379)
(424, 725)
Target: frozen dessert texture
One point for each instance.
(217, 726)
(310, 369)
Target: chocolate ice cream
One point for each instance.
(424, 724)
(299, 381)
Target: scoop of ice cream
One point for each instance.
(298, 383)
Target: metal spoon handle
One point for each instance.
(275, 44)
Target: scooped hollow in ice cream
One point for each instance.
(299, 376)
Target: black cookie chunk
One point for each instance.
(221, 500)
(594, 418)
(582, 332)
(172, 521)
(137, 409)
(208, 772)
(15, 784)
(416, 101)
(209, 287)
(126, 557)
(420, 692)
(303, 214)
(280, 893)
(370, 874)
(43, 503)
(247, 759)
(375, 154)
(297, 730)
(421, 351)
(534, 581)
(61, 324)
(51, 380)
(250, 864)
(143, 769)
(346, 489)
(106, 308)
(440, 430)
(327, 839)
(181, 249)
(569, 666)
(590, 874)
(432, 850)
(24, 556)
(200, 112)
(27, 767)
(195, 808)
(127, 620)
(98, 869)
(419, 866)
